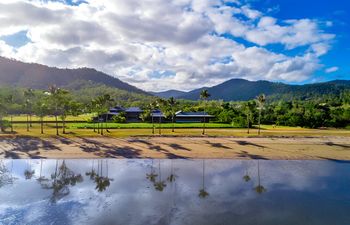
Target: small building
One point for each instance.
(133, 114)
(192, 117)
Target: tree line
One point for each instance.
(323, 111)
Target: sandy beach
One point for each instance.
(291, 148)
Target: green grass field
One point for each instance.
(74, 130)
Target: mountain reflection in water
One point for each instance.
(153, 191)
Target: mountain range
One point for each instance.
(37, 76)
(241, 90)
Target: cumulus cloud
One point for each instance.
(197, 42)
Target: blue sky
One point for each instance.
(160, 45)
(336, 11)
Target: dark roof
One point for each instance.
(157, 114)
(134, 109)
(117, 109)
(192, 114)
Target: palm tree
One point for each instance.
(259, 189)
(55, 94)
(249, 107)
(41, 109)
(172, 110)
(204, 95)
(261, 102)
(153, 106)
(103, 103)
(29, 95)
(202, 192)
(10, 101)
(162, 105)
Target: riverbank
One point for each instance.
(288, 148)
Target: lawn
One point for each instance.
(144, 129)
(23, 118)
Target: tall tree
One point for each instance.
(261, 99)
(249, 108)
(57, 99)
(29, 97)
(204, 95)
(103, 104)
(172, 103)
(3, 110)
(153, 106)
(41, 109)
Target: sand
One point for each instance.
(289, 148)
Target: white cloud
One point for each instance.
(134, 40)
(332, 69)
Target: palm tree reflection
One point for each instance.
(101, 181)
(259, 189)
(60, 181)
(202, 192)
(6, 177)
(28, 173)
(160, 184)
(152, 175)
(246, 177)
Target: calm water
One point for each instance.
(174, 192)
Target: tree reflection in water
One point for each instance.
(6, 177)
(259, 189)
(152, 175)
(160, 184)
(202, 192)
(60, 181)
(246, 177)
(28, 173)
(101, 181)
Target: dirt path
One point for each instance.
(332, 148)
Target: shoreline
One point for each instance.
(180, 147)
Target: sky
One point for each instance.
(158, 45)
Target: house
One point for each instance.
(192, 117)
(133, 114)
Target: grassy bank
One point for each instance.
(77, 130)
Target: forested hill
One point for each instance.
(36, 76)
(240, 90)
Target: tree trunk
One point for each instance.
(27, 123)
(98, 127)
(1, 126)
(173, 130)
(106, 123)
(152, 125)
(56, 125)
(11, 124)
(30, 120)
(42, 125)
(203, 132)
(160, 125)
(63, 125)
(259, 121)
(94, 126)
(248, 123)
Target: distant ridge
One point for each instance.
(241, 90)
(32, 75)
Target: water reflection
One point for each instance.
(106, 191)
